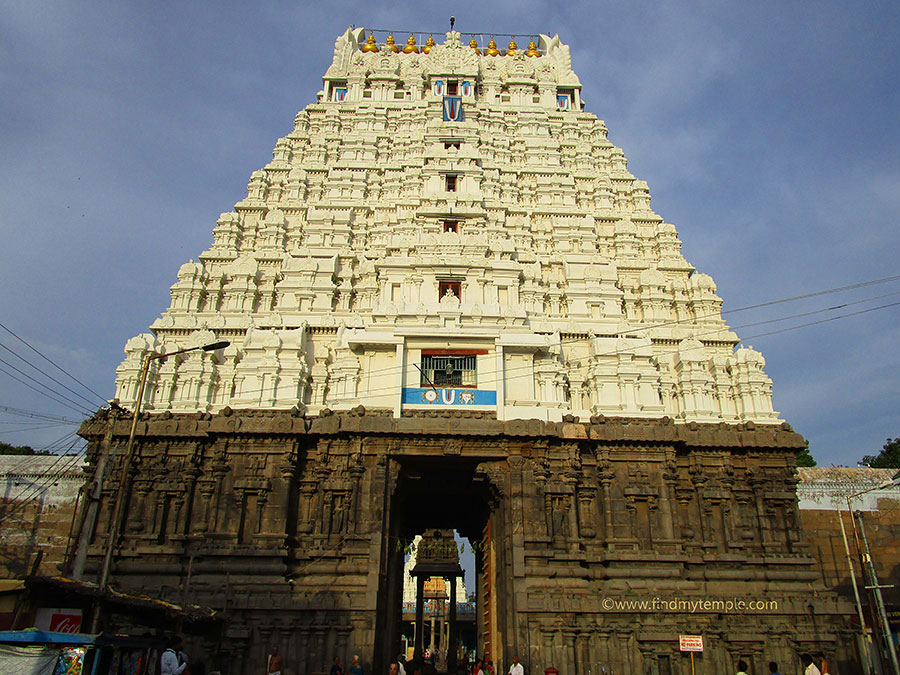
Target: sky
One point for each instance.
(767, 131)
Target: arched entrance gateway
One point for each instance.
(449, 306)
(592, 551)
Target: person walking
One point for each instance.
(355, 668)
(516, 667)
(742, 667)
(773, 668)
(823, 663)
(274, 664)
(169, 662)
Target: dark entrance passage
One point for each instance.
(437, 494)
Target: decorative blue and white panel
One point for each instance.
(452, 109)
(444, 396)
(466, 89)
(340, 94)
(439, 88)
(564, 102)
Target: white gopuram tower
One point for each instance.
(450, 306)
(449, 228)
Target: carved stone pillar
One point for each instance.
(667, 490)
(206, 489)
(569, 663)
(586, 497)
(307, 495)
(135, 522)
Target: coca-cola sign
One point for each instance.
(58, 620)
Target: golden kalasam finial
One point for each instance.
(391, 45)
(473, 43)
(429, 43)
(532, 49)
(370, 45)
(492, 49)
(511, 50)
(410, 47)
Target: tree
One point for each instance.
(7, 449)
(804, 457)
(889, 458)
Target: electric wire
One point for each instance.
(35, 490)
(31, 413)
(47, 375)
(52, 446)
(528, 368)
(816, 323)
(52, 363)
(631, 331)
(34, 428)
(51, 473)
(71, 405)
(23, 467)
(38, 489)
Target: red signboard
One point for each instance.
(58, 620)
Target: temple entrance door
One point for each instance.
(436, 494)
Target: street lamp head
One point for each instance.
(216, 345)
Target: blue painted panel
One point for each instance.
(447, 396)
(452, 108)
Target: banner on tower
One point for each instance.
(447, 396)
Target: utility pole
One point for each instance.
(887, 641)
(92, 498)
(115, 525)
(867, 657)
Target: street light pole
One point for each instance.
(116, 522)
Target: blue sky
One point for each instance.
(768, 132)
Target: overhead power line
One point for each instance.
(52, 363)
(393, 370)
(34, 414)
(47, 375)
(51, 425)
(34, 490)
(72, 405)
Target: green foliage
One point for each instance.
(7, 449)
(804, 457)
(888, 458)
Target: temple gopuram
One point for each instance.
(450, 307)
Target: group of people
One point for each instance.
(175, 662)
(817, 665)
(486, 667)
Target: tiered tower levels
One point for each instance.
(506, 245)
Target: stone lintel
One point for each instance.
(663, 431)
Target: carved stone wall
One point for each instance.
(603, 541)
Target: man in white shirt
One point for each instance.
(516, 667)
(168, 662)
(809, 668)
